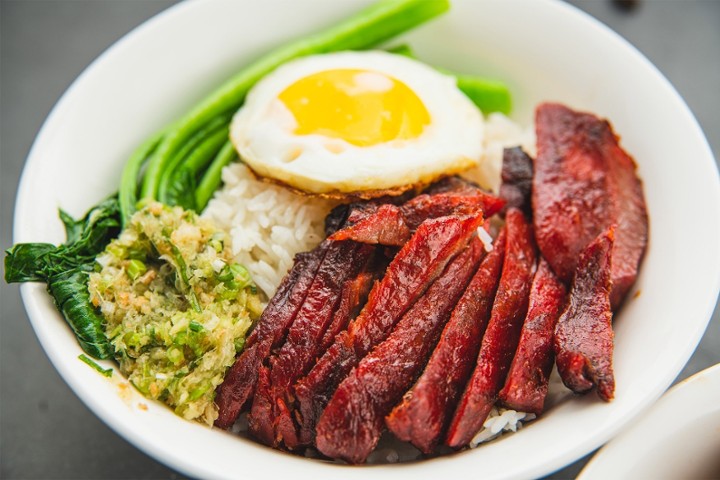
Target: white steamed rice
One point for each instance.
(268, 224)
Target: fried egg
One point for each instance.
(359, 123)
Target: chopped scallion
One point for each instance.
(136, 268)
(105, 371)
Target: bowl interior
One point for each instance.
(545, 50)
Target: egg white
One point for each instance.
(262, 131)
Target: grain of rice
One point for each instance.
(499, 421)
(485, 238)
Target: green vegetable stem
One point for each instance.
(487, 94)
(212, 178)
(130, 179)
(180, 185)
(104, 371)
(179, 160)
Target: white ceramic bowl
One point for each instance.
(545, 50)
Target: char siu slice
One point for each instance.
(385, 226)
(354, 296)
(425, 206)
(527, 382)
(502, 333)
(584, 183)
(583, 335)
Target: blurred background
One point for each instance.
(45, 430)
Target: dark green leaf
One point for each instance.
(73, 227)
(100, 225)
(65, 270)
(69, 289)
(181, 190)
(27, 262)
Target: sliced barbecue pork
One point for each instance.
(441, 204)
(527, 381)
(351, 424)
(236, 392)
(354, 296)
(425, 410)
(584, 183)
(584, 335)
(385, 226)
(502, 334)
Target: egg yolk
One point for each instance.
(359, 106)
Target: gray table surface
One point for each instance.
(45, 430)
